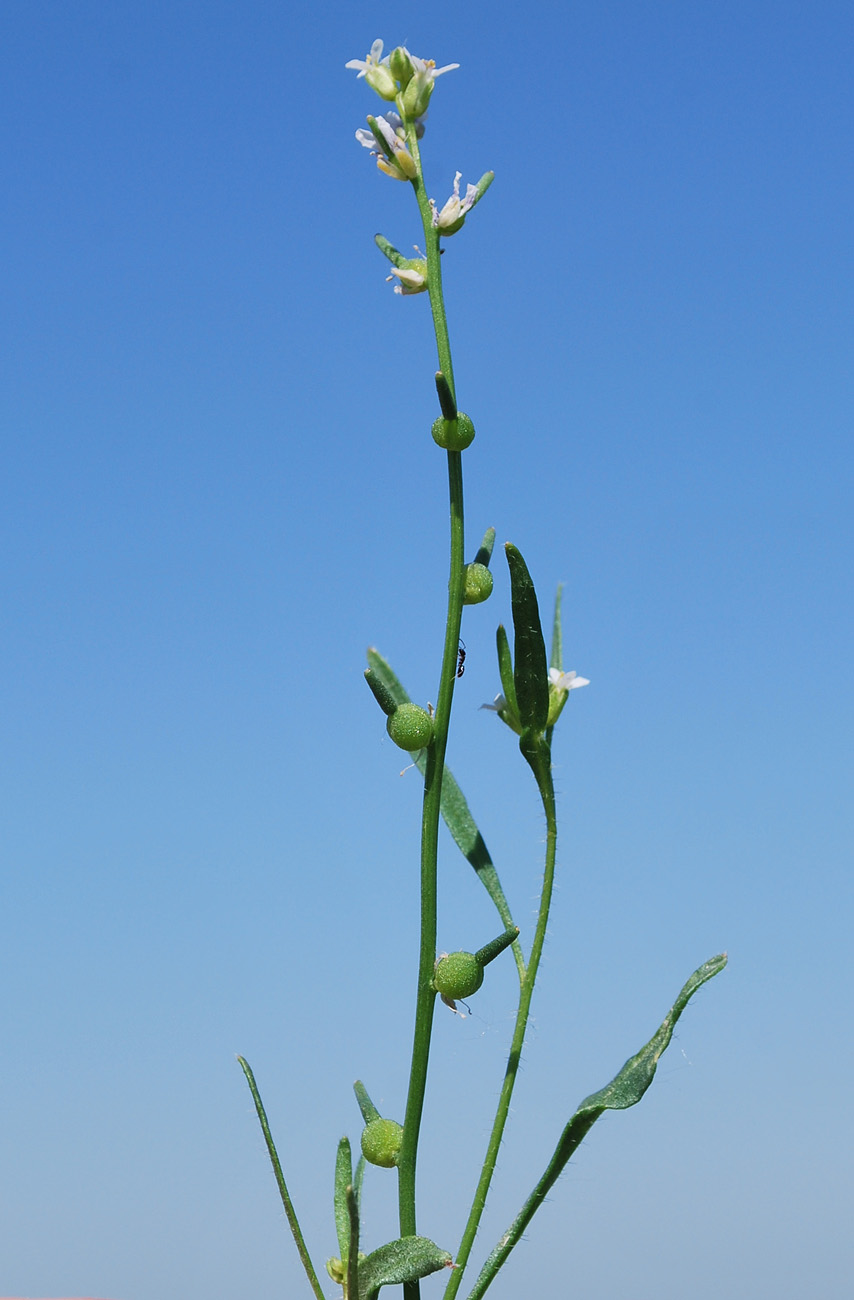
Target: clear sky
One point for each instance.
(219, 487)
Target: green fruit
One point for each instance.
(381, 1142)
(453, 435)
(458, 975)
(410, 727)
(478, 584)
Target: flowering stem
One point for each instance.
(546, 788)
(426, 995)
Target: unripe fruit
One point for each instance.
(458, 975)
(453, 435)
(381, 1142)
(478, 584)
(336, 1270)
(410, 727)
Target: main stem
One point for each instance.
(546, 787)
(426, 996)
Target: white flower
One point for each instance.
(566, 681)
(497, 705)
(367, 138)
(376, 71)
(427, 69)
(453, 214)
(413, 278)
(393, 156)
(416, 95)
(372, 61)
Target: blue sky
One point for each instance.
(219, 488)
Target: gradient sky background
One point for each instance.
(219, 487)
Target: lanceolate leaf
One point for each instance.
(556, 657)
(625, 1090)
(455, 809)
(357, 1181)
(290, 1212)
(505, 669)
(406, 1260)
(530, 669)
(343, 1180)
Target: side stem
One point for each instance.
(546, 788)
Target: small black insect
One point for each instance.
(461, 659)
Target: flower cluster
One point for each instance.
(408, 81)
(400, 77)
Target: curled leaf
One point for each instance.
(406, 1260)
(624, 1090)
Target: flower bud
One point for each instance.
(381, 1142)
(478, 584)
(336, 1270)
(400, 63)
(410, 727)
(416, 97)
(453, 435)
(458, 975)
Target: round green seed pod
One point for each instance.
(381, 1141)
(453, 435)
(458, 975)
(478, 584)
(410, 727)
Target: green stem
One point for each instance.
(290, 1212)
(353, 1249)
(426, 996)
(546, 788)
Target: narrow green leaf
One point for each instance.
(530, 673)
(624, 1090)
(406, 1260)
(627, 1088)
(290, 1212)
(505, 669)
(358, 1180)
(455, 810)
(343, 1181)
(556, 660)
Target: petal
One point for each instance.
(387, 132)
(497, 706)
